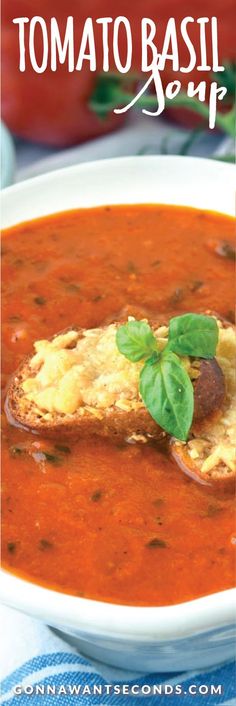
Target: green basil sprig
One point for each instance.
(164, 385)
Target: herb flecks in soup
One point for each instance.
(113, 522)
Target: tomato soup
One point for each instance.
(120, 523)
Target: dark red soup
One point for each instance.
(114, 523)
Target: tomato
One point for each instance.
(53, 107)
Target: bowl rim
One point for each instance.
(179, 621)
(212, 167)
(137, 622)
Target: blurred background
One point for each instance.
(58, 118)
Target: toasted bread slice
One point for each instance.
(78, 384)
(210, 453)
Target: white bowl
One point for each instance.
(190, 635)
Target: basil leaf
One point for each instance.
(194, 335)
(167, 392)
(135, 340)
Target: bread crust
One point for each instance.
(209, 455)
(223, 479)
(114, 423)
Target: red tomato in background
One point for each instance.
(53, 107)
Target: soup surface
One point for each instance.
(115, 523)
